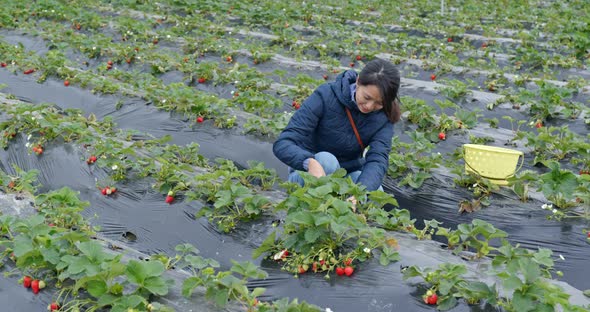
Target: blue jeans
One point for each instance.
(330, 164)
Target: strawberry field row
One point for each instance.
(433, 133)
(334, 217)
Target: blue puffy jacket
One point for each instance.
(321, 125)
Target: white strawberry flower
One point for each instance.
(367, 250)
(554, 210)
(115, 167)
(279, 255)
(329, 310)
(28, 137)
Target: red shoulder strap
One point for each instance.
(358, 137)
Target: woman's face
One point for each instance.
(368, 98)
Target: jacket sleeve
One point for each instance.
(290, 147)
(377, 158)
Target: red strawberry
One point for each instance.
(348, 261)
(442, 136)
(202, 80)
(358, 57)
(54, 306)
(340, 271)
(66, 83)
(588, 234)
(449, 39)
(432, 77)
(322, 262)
(104, 191)
(128, 61)
(27, 281)
(3, 64)
(110, 63)
(325, 77)
(229, 59)
(285, 254)
(314, 267)
(35, 286)
(200, 119)
(348, 270)
(113, 190)
(109, 67)
(432, 299)
(39, 150)
(302, 270)
(28, 71)
(539, 124)
(351, 64)
(295, 105)
(169, 199)
(484, 45)
(155, 41)
(91, 159)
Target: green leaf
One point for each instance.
(96, 288)
(221, 297)
(512, 282)
(189, 285)
(301, 217)
(78, 265)
(156, 285)
(312, 234)
(522, 303)
(266, 245)
(338, 228)
(321, 191)
(530, 270)
(446, 303)
(22, 245)
(135, 272)
(92, 250)
(258, 291)
(445, 286)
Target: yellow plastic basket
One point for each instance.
(494, 163)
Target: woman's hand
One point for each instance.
(315, 169)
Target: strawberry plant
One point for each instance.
(414, 160)
(321, 226)
(558, 185)
(472, 237)
(455, 89)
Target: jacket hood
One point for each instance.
(341, 88)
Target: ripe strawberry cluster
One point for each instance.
(38, 149)
(108, 190)
(34, 284)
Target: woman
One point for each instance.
(320, 137)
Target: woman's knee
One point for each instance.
(328, 161)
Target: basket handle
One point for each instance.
(521, 157)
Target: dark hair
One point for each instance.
(386, 77)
